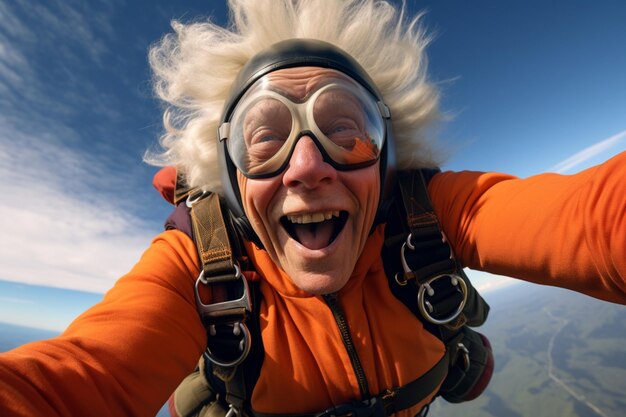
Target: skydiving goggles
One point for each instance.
(344, 119)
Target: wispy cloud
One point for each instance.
(16, 300)
(61, 224)
(485, 282)
(54, 54)
(66, 219)
(580, 158)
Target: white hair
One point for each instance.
(195, 66)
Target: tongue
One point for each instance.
(314, 235)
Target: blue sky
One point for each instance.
(530, 86)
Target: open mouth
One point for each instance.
(315, 230)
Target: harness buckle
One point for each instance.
(222, 312)
(209, 310)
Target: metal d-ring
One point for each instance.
(244, 347)
(427, 288)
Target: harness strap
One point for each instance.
(387, 403)
(211, 236)
(230, 302)
(428, 260)
(225, 317)
(430, 253)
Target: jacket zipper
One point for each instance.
(344, 330)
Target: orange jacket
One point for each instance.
(126, 355)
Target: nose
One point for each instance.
(307, 166)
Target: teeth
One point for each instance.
(313, 217)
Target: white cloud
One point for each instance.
(580, 158)
(12, 24)
(61, 225)
(15, 300)
(49, 51)
(69, 25)
(65, 216)
(485, 282)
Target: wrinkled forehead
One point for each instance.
(298, 83)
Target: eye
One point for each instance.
(340, 128)
(265, 136)
(342, 131)
(267, 121)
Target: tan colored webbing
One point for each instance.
(420, 214)
(212, 239)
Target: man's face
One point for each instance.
(312, 219)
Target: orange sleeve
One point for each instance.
(122, 357)
(562, 230)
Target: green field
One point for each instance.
(557, 354)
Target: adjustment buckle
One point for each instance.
(211, 313)
(209, 310)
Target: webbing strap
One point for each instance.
(420, 214)
(428, 262)
(212, 240)
(228, 336)
(388, 402)
(426, 234)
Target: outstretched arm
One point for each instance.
(562, 230)
(124, 356)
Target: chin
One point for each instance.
(316, 285)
